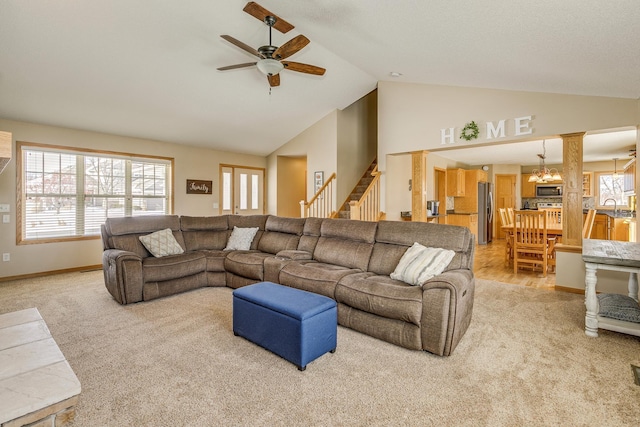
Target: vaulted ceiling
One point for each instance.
(147, 68)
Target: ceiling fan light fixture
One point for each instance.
(269, 67)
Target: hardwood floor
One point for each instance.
(490, 264)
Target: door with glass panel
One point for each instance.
(241, 190)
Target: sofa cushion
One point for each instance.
(173, 266)
(420, 264)
(205, 232)
(215, 259)
(241, 239)
(394, 237)
(248, 221)
(281, 234)
(249, 264)
(345, 243)
(161, 243)
(310, 234)
(123, 232)
(382, 296)
(314, 276)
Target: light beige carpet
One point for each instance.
(525, 361)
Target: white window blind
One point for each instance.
(68, 193)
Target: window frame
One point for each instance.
(21, 146)
(623, 198)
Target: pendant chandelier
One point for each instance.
(543, 174)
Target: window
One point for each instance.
(610, 188)
(67, 193)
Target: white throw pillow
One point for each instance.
(161, 243)
(241, 238)
(420, 263)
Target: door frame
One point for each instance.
(233, 180)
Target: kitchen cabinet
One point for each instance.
(587, 184)
(600, 227)
(620, 230)
(465, 220)
(606, 227)
(455, 182)
(528, 189)
(630, 178)
(469, 202)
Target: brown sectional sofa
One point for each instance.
(349, 261)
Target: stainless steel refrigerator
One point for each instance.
(485, 212)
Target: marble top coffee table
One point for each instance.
(36, 382)
(609, 255)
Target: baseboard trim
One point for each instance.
(570, 290)
(48, 273)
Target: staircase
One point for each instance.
(358, 190)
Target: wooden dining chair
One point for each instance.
(530, 240)
(505, 220)
(588, 224)
(554, 216)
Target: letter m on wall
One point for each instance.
(495, 131)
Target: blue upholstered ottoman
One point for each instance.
(297, 325)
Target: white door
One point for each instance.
(241, 190)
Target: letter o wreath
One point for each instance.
(470, 131)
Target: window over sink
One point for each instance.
(610, 187)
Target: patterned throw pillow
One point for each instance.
(420, 263)
(241, 238)
(620, 307)
(161, 243)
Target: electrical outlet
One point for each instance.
(6, 257)
(4, 207)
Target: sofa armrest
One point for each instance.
(294, 255)
(123, 275)
(447, 305)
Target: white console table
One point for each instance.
(609, 255)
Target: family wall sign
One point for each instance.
(493, 130)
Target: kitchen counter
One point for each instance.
(406, 216)
(610, 213)
(461, 213)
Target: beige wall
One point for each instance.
(343, 142)
(190, 163)
(411, 116)
(357, 143)
(318, 144)
(291, 185)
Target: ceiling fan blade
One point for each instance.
(303, 68)
(291, 47)
(274, 80)
(259, 12)
(233, 67)
(241, 45)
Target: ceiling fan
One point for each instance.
(271, 57)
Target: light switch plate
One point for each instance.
(4, 207)
(6, 219)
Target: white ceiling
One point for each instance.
(147, 68)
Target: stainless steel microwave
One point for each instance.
(549, 190)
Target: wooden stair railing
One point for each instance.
(321, 204)
(368, 207)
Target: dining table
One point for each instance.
(553, 229)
